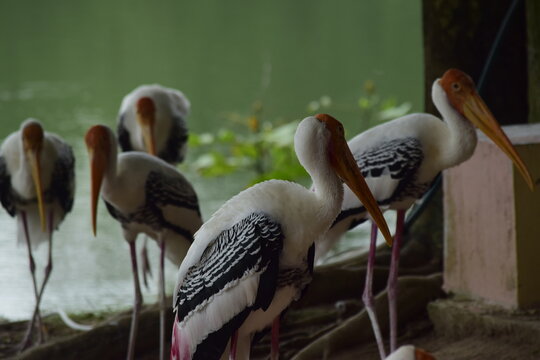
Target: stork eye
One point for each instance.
(456, 86)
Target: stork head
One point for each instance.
(410, 352)
(343, 163)
(462, 95)
(146, 118)
(98, 143)
(420, 354)
(32, 139)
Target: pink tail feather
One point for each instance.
(179, 343)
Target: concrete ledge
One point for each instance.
(463, 318)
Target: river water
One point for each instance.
(70, 63)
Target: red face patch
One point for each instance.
(146, 106)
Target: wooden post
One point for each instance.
(491, 224)
(533, 47)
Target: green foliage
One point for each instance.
(266, 149)
(375, 110)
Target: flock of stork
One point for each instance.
(239, 270)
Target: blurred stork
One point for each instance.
(146, 195)
(399, 160)
(410, 352)
(37, 183)
(152, 119)
(255, 254)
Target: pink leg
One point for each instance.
(145, 263)
(274, 354)
(234, 343)
(36, 316)
(48, 270)
(137, 304)
(367, 296)
(392, 280)
(162, 304)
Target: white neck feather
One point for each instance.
(310, 143)
(460, 142)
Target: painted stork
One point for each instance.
(37, 183)
(410, 352)
(255, 254)
(399, 159)
(152, 118)
(146, 195)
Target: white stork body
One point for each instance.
(252, 258)
(400, 159)
(127, 193)
(37, 183)
(162, 115)
(152, 119)
(146, 195)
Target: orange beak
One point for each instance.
(479, 114)
(97, 170)
(35, 170)
(98, 151)
(420, 354)
(147, 128)
(347, 169)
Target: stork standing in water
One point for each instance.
(146, 195)
(255, 254)
(37, 183)
(400, 159)
(152, 118)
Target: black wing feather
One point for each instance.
(124, 138)
(63, 185)
(6, 196)
(176, 140)
(161, 190)
(400, 158)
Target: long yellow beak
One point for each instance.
(97, 171)
(147, 128)
(35, 170)
(478, 113)
(347, 169)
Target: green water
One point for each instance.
(69, 63)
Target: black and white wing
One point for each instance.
(391, 169)
(6, 198)
(171, 203)
(162, 189)
(236, 274)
